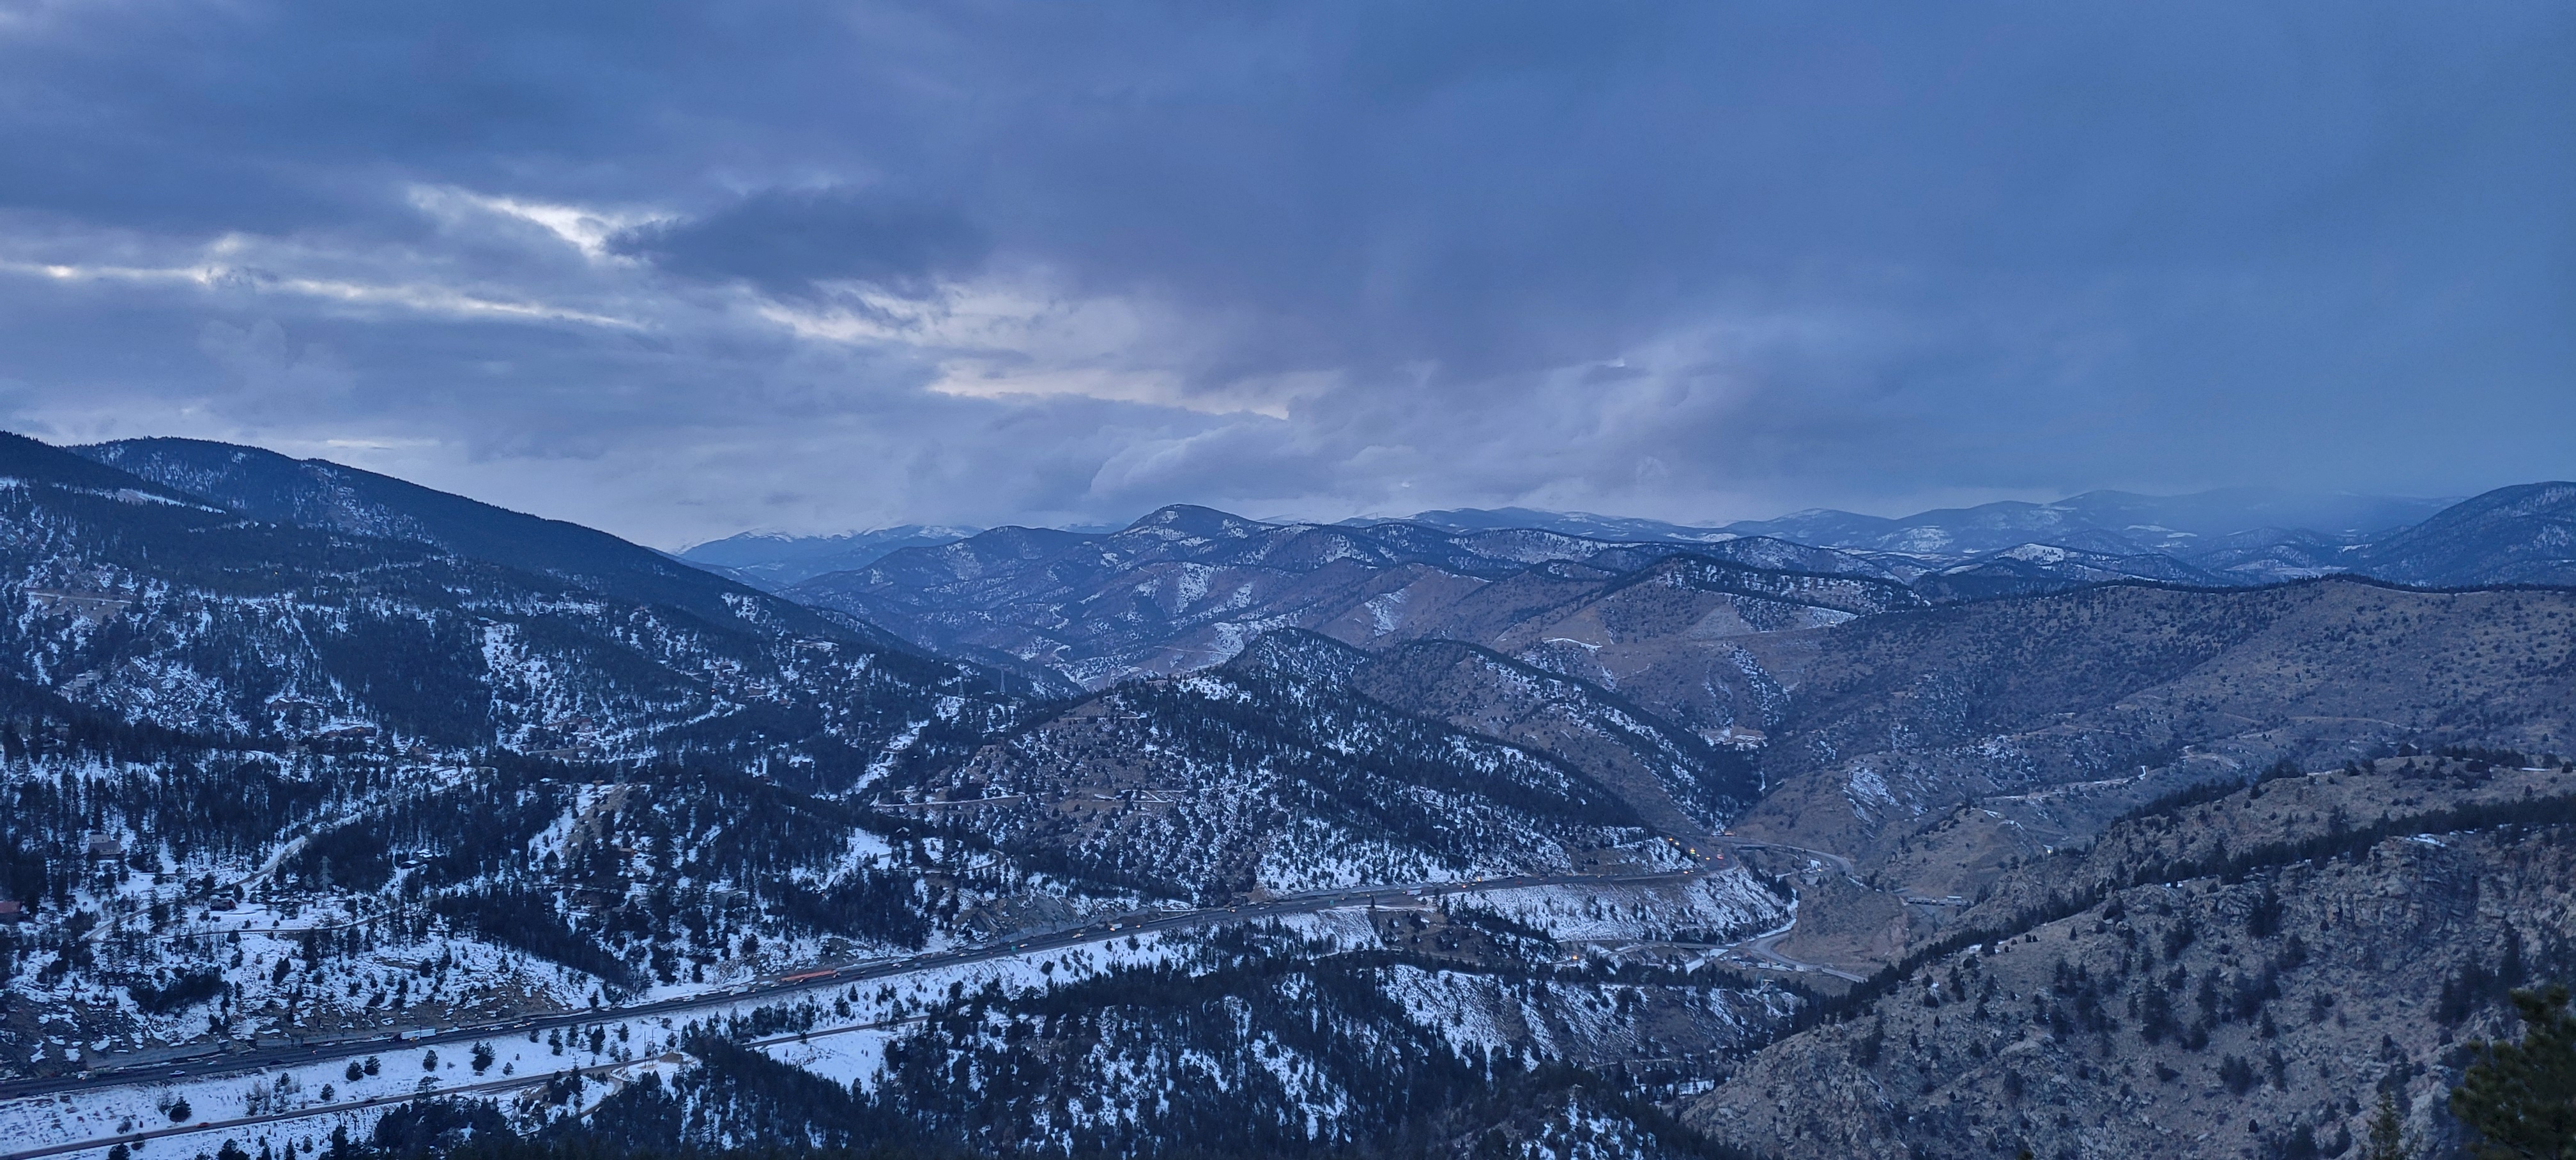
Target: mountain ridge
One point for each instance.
(320, 494)
(1484, 844)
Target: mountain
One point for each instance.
(2275, 555)
(1930, 746)
(773, 561)
(170, 608)
(2244, 974)
(1273, 775)
(1186, 587)
(30, 461)
(2111, 522)
(1623, 529)
(1678, 782)
(2034, 569)
(344, 501)
(298, 713)
(2512, 535)
(1183, 588)
(308, 697)
(1391, 838)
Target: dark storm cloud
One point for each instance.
(787, 241)
(680, 269)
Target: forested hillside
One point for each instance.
(379, 745)
(1392, 840)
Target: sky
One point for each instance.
(678, 271)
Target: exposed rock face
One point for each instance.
(2251, 1012)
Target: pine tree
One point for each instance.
(2389, 1139)
(2520, 1099)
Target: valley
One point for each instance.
(1467, 838)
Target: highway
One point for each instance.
(787, 983)
(516, 1083)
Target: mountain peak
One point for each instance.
(1192, 520)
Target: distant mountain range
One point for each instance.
(2112, 521)
(1519, 834)
(2263, 534)
(2232, 535)
(1185, 587)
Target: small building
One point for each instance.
(12, 910)
(105, 846)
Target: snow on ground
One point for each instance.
(847, 1057)
(1487, 1012)
(1472, 1010)
(249, 946)
(1347, 929)
(1553, 1019)
(400, 1070)
(1720, 906)
(318, 1088)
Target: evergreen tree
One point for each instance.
(2389, 1139)
(2520, 1098)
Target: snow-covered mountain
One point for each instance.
(425, 750)
(1386, 838)
(313, 753)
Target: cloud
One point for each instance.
(260, 361)
(818, 266)
(790, 242)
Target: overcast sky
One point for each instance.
(678, 271)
